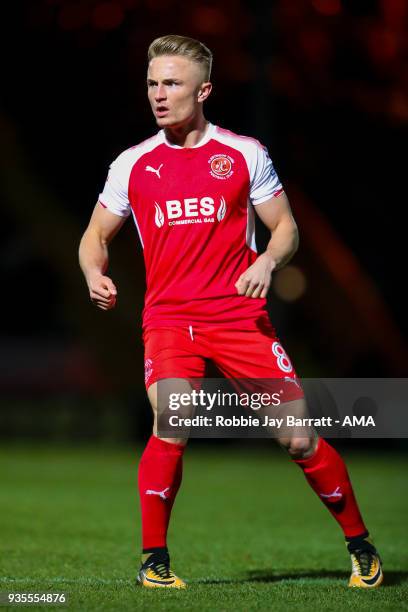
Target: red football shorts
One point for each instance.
(186, 352)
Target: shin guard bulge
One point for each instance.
(160, 473)
(327, 474)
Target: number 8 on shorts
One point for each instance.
(282, 359)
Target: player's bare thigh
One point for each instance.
(184, 387)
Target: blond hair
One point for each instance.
(172, 44)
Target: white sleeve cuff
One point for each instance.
(274, 194)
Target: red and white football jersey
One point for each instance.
(193, 209)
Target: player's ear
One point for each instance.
(204, 91)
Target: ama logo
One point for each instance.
(190, 211)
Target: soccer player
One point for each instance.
(192, 190)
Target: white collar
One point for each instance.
(207, 136)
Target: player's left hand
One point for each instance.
(255, 281)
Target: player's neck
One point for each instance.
(187, 135)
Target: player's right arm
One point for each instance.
(94, 257)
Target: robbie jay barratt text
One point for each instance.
(249, 421)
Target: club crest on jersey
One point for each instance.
(221, 166)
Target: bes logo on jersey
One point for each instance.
(190, 211)
(221, 166)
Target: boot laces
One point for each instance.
(160, 565)
(365, 561)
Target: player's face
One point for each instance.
(176, 90)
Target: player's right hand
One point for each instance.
(102, 292)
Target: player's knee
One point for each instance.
(300, 448)
(175, 440)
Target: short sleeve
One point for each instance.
(265, 183)
(115, 192)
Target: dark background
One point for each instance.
(322, 83)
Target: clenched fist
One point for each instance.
(256, 280)
(102, 291)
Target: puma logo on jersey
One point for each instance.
(150, 169)
(190, 211)
(336, 494)
(161, 494)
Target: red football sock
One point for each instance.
(160, 472)
(327, 474)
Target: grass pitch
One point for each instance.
(247, 533)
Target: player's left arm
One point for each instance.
(276, 214)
